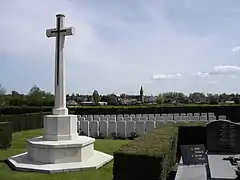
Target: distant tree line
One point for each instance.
(38, 97)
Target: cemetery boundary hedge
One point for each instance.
(24, 121)
(5, 135)
(150, 156)
(231, 111)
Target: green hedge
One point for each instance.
(150, 156)
(5, 135)
(23, 110)
(231, 111)
(24, 121)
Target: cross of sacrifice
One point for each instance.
(60, 91)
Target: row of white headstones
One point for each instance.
(127, 127)
(152, 117)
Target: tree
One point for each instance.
(160, 99)
(34, 89)
(113, 100)
(96, 97)
(197, 97)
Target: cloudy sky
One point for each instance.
(164, 45)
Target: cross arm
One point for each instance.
(66, 31)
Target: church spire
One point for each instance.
(141, 95)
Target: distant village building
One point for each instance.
(103, 103)
(230, 102)
(72, 103)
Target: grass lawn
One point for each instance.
(19, 146)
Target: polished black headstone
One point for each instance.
(193, 154)
(223, 136)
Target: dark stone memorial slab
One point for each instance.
(223, 136)
(193, 154)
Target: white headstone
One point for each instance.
(195, 118)
(104, 118)
(127, 119)
(138, 115)
(136, 118)
(103, 128)
(112, 119)
(130, 128)
(152, 118)
(150, 125)
(132, 115)
(82, 119)
(157, 115)
(112, 128)
(120, 118)
(140, 127)
(113, 115)
(89, 119)
(94, 129)
(121, 129)
(85, 129)
(212, 118)
(96, 118)
(144, 118)
(203, 118)
(222, 117)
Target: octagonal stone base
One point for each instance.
(21, 162)
(59, 156)
(53, 152)
(60, 149)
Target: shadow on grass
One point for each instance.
(8, 164)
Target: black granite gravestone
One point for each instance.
(222, 136)
(193, 154)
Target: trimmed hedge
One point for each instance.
(5, 135)
(231, 111)
(23, 110)
(24, 121)
(150, 156)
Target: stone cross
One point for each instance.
(60, 87)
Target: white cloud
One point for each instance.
(166, 76)
(201, 74)
(225, 70)
(228, 70)
(122, 44)
(236, 49)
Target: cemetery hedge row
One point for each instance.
(150, 156)
(5, 135)
(24, 121)
(232, 112)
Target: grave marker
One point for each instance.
(193, 154)
(222, 136)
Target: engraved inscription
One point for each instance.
(223, 136)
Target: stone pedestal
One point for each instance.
(60, 149)
(60, 127)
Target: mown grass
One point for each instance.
(19, 146)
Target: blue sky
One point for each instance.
(164, 45)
